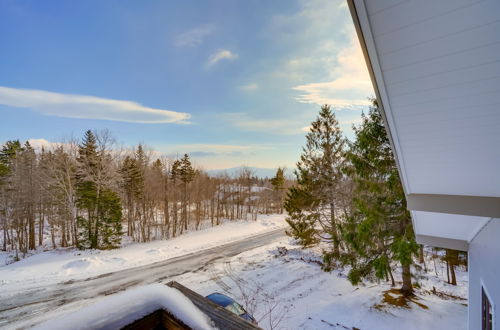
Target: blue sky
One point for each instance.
(231, 82)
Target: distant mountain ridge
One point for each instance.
(257, 171)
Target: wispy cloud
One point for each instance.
(249, 87)
(206, 149)
(282, 126)
(194, 37)
(219, 55)
(327, 66)
(87, 107)
(349, 87)
(200, 154)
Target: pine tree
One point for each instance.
(379, 231)
(87, 190)
(110, 215)
(7, 155)
(319, 176)
(186, 175)
(174, 177)
(28, 163)
(278, 182)
(302, 218)
(132, 182)
(8, 192)
(102, 222)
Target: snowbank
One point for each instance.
(116, 311)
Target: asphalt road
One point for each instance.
(17, 311)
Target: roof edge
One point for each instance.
(481, 206)
(442, 242)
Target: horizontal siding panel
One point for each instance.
(440, 67)
(482, 36)
(379, 6)
(457, 123)
(454, 78)
(450, 115)
(416, 12)
(439, 28)
(431, 96)
(452, 132)
(467, 102)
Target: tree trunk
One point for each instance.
(466, 261)
(4, 238)
(452, 257)
(407, 288)
(448, 270)
(333, 224)
(393, 283)
(453, 277)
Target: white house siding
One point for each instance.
(436, 67)
(484, 269)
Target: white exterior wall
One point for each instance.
(484, 269)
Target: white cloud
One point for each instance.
(350, 87)
(42, 143)
(194, 37)
(87, 107)
(249, 87)
(38, 144)
(219, 55)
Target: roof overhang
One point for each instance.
(435, 70)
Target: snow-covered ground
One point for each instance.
(283, 276)
(282, 285)
(64, 264)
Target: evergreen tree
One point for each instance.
(278, 182)
(102, 222)
(7, 155)
(132, 183)
(110, 216)
(319, 176)
(379, 231)
(174, 176)
(186, 174)
(302, 218)
(87, 190)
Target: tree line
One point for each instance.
(349, 194)
(90, 195)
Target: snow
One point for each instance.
(63, 264)
(310, 298)
(280, 274)
(119, 310)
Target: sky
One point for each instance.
(229, 82)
